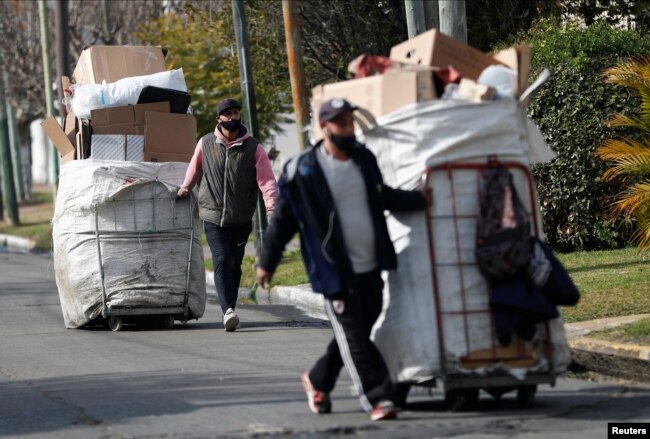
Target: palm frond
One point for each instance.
(631, 74)
(621, 120)
(629, 157)
(642, 234)
(635, 199)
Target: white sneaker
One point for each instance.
(230, 320)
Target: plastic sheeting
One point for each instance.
(126, 91)
(144, 239)
(406, 143)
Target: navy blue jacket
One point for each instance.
(305, 204)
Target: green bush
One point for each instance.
(570, 109)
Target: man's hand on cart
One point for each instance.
(182, 192)
(263, 277)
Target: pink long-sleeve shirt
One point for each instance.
(265, 178)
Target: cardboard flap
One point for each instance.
(57, 136)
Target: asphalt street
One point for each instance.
(197, 381)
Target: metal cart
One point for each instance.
(147, 226)
(462, 389)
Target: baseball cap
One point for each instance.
(332, 108)
(227, 104)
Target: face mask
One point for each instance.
(231, 125)
(344, 143)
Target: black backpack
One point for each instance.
(500, 252)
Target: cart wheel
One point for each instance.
(401, 393)
(115, 323)
(168, 322)
(461, 399)
(526, 396)
(497, 392)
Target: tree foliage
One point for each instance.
(569, 110)
(202, 42)
(630, 157)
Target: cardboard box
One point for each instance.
(128, 119)
(435, 49)
(112, 63)
(518, 59)
(379, 94)
(169, 137)
(58, 137)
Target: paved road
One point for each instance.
(197, 381)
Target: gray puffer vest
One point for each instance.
(228, 190)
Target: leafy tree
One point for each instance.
(499, 22)
(631, 156)
(202, 42)
(569, 110)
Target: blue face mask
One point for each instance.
(344, 143)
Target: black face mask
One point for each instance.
(231, 125)
(344, 143)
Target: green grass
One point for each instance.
(612, 283)
(633, 333)
(290, 271)
(35, 217)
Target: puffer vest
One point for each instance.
(228, 190)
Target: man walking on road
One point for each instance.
(232, 165)
(334, 195)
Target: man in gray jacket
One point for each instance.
(231, 165)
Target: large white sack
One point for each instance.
(145, 269)
(406, 143)
(126, 91)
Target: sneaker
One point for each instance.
(383, 410)
(319, 402)
(230, 320)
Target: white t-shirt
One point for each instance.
(351, 202)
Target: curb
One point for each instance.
(16, 243)
(630, 362)
(300, 296)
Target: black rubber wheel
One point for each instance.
(115, 323)
(402, 393)
(168, 322)
(461, 399)
(497, 392)
(526, 396)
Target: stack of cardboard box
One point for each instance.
(142, 132)
(411, 79)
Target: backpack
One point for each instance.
(503, 241)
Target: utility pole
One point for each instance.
(414, 17)
(8, 188)
(453, 20)
(62, 46)
(248, 98)
(47, 76)
(14, 143)
(296, 70)
(431, 19)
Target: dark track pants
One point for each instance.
(352, 323)
(227, 245)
